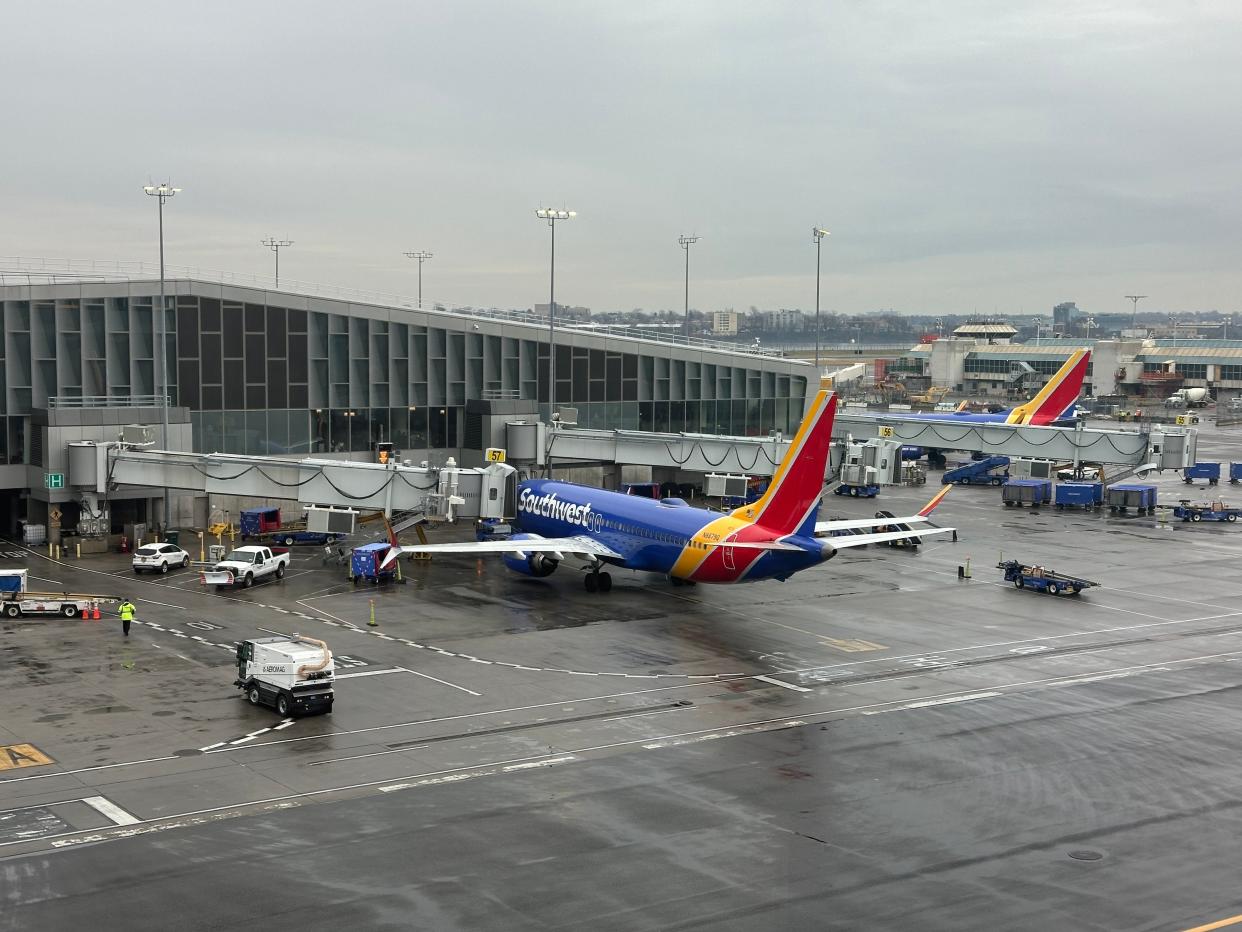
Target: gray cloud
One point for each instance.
(964, 157)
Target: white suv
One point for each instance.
(162, 557)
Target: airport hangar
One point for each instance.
(254, 370)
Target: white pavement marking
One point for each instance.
(768, 679)
(111, 810)
(345, 676)
(165, 604)
(928, 703)
(428, 676)
(54, 582)
(285, 724)
(212, 747)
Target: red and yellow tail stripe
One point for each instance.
(794, 490)
(930, 506)
(799, 479)
(1054, 398)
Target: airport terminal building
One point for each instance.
(258, 371)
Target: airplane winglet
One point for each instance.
(936, 500)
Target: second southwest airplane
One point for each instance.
(772, 538)
(1054, 404)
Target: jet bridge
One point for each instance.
(1165, 447)
(439, 493)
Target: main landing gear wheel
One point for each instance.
(597, 581)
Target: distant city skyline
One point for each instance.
(966, 158)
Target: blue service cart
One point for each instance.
(1235, 473)
(1208, 471)
(1040, 578)
(366, 562)
(264, 523)
(1033, 492)
(1205, 511)
(1122, 496)
(1078, 495)
(980, 472)
(492, 529)
(857, 491)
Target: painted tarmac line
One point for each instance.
(285, 724)
(428, 676)
(1219, 924)
(111, 810)
(165, 604)
(774, 682)
(929, 703)
(345, 676)
(212, 747)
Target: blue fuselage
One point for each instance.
(667, 537)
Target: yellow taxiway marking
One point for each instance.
(15, 756)
(852, 645)
(1231, 921)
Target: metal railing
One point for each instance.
(26, 270)
(108, 401)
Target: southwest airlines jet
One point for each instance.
(772, 538)
(1053, 405)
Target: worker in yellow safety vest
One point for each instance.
(126, 611)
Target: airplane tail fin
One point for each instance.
(794, 492)
(1055, 400)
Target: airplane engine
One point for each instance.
(534, 564)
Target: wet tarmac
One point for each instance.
(875, 743)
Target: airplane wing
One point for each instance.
(861, 540)
(851, 524)
(580, 544)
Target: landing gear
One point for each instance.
(597, 581)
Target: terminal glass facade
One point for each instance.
(260, 378)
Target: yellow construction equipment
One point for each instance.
(930, 397)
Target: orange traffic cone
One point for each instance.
(95, 613)
(86, 613)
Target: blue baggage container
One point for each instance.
(1079, 495)
(259, 520)
(365, 563)
(1033, 492)
(1235, 472)
(1123, 496)
(1208, 471)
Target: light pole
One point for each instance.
(940, 328)
(686, 242)
(552, 216)
(1090, 323)
(276, 245)
(163, 191)
(1136, 298)
(420, 256)
(1035, 321)
(1225, 329)
(818, 234)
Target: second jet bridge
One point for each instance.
(1167, 448)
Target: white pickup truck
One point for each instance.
(247, 565)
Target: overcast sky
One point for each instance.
(967, 156)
